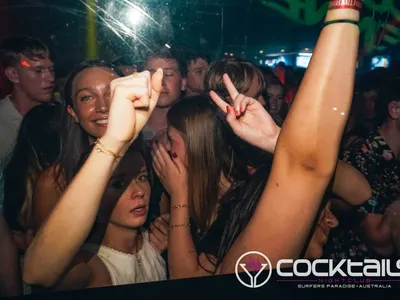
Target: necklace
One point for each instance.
(139, 259)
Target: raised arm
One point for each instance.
(67, 227)
(307, 148)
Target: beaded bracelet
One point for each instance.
(346, 4)
(179, 225)
(179, 206)
(340, 21)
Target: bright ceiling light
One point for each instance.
(134, 16)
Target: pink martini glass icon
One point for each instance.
(253, 264)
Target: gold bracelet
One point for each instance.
(179, 225)
(101, 148)
(179, 206)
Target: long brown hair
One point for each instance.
(209, 153)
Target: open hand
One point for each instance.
(133, 99)
(171, 171)
(248, 118)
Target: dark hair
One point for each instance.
(169, 54)
(191, 56)
(137, 145)
(212, 149)
(388, 93)
(241, 72)
(12, 49)
(37, 147)
(74, 140)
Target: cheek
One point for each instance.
(84, 113)
(30, 79)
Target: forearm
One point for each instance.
(182, 255)
(312, 131)
(350, 185)
(69, 224)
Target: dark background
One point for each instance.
(217, 27)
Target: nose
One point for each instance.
(48, 76)
(102, 104)
(137, 191)
(330, 220)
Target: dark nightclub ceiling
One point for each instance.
(247, 28)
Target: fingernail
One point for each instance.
(174, 155)
(241, 110)
(160, 70)
(237, 112)
(228, 109)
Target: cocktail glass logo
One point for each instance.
(250, 262)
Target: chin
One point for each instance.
(165, 103)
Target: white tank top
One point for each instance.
(144, 266)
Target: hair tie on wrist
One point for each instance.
(340, 21)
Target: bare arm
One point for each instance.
(67, 227)
(10, 272)
(351, 185)
(307, 148)
(183, 259)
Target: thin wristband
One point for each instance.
(340, 21)
(179, 225)
(179, 206)
(346, 4)
(101, 148)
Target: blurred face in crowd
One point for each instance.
(125, 202)
(275, 95)
(91, 99)
(176, 144)
(370, 98)
(34, 76)
(195, 77)
(326, 222)
(173, 84)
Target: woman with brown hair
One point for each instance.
(247, 78)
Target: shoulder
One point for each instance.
(49, 178)
(100, 276)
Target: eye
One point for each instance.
(118, 184)
(86, 98)
(143, 178)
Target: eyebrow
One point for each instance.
(84, 89)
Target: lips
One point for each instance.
(139, 210)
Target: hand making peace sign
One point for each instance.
(248, 118)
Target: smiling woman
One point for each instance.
(84, 118)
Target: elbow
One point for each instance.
(35, 276)
(319, 167)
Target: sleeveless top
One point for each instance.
(144, 266)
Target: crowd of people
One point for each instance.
(174, 168)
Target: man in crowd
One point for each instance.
(197, 66)
(28, 67)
